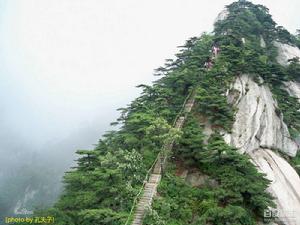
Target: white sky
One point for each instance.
(67, 65)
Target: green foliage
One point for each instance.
(107, 183)
(212, 104)
(60, 218)
(225, 215)
(212, 86)
(251, 23)
(101, 217)
(290, 107)
(240, 179)
(178, 202)
(297, 38)
(284, 36)
(152, 218)
(296, 162)
(191, 142)
(293, 69)
(161, 132)
(247, 20)
(240, 196)
(181, 204)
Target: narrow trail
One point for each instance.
(154, 175)
(150, 187)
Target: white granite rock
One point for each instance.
(262, 42)
(285, 186)
(293, 88)
(257, 123)
(286, 52)
(257, 129)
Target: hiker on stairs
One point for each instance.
(215, 50)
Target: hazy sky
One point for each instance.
(67, 65)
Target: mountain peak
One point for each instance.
(248, 20)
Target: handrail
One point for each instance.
(176, 119)
(155, 161)
(141, 188)
(182, 107)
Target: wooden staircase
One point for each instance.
(150, 188)
(146, 199)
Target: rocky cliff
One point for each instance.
(261, 132)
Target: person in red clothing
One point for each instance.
(215, 50)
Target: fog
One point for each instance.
(67, 65)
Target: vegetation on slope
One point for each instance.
(239, 197)
(252, 23)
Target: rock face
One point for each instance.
(293, 88)
(285, 184)
(197, 179)
(286, 52)
(20, 207)
(259, 129)
(262, 42)
(257, 123)
(194, 177)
